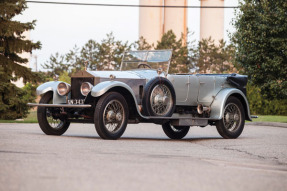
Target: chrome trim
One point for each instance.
(60, 105)
(90, 87)
(68, 88)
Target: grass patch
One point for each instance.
(271, 118)
(31, 118)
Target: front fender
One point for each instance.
(103, 87)
(51, 86)
(218, 104)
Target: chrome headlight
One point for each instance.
(63, 88)
(86, 87)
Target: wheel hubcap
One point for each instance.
(111, 115)
(232, 117)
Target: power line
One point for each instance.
(119, 5)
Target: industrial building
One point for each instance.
(154, 22)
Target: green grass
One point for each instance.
(31, 118)
(271, 118)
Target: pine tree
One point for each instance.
(215, 58)
(13, 100)
(180, 60)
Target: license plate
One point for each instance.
(76, 101)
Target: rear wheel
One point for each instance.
(232, 123)
(175, 132)
(49, 117)
(111, 116)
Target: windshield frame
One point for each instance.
(145, 59)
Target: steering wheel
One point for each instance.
(144, 65)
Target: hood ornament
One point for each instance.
(56, 77)
(112, 77)
(86, 63)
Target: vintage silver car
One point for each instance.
(143, 91)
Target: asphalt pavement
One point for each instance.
(143, 159)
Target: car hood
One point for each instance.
(131, 74)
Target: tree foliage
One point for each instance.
(215, 58)
(13, 100)
(104, 55)
(180, 55)
(261, 40)
(260, 106)
(107, 54)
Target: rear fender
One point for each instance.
(218, 104)
(51, 86)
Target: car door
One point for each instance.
(206, 89)
(181, 87)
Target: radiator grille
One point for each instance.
(76, 85)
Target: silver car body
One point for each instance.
(210, 90)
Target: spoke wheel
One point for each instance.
(232, 123)
(48, 121)
(111, 116)
(159, 98)
(231, 117)
(175, 132)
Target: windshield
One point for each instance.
(146, 59)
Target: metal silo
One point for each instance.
(212, 20)
(151, 21)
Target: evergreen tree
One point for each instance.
(180, 53)
(13, 103)
(56, 64)
(215, 58)
(106, 55)
(142, 44)
(261, 40)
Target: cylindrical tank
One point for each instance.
(212, 20)
(175, 19)
(151, 21)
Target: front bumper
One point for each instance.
(60, 105)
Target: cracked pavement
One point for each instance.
(143, 159)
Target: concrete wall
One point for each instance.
(151, 21)
(212, 20)
(154, 22)
(175, 19)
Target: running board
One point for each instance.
(183, 120)
(59, 105)
(189, 122)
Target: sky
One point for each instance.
(60, 27)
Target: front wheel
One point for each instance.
(111, 116)
(232, 123)
(175, 132)
(49, 117)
